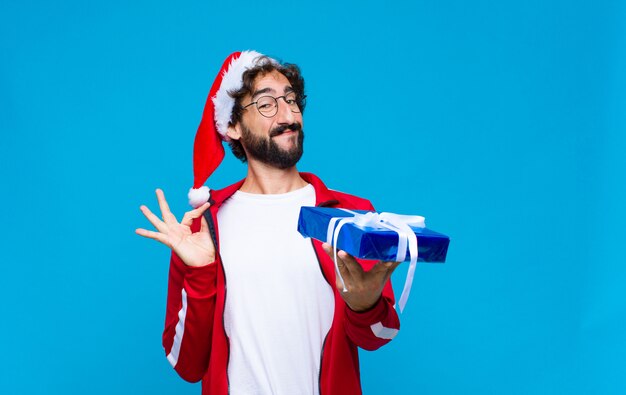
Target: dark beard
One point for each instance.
(265, 150)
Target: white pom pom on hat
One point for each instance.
(208, 151)
(199, 196)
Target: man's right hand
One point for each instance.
(194, 249)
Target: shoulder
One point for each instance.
(218, 196)
(332, 198)
(349, 201)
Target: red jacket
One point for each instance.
(194, 338)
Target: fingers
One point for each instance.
(383, 266)
(345, 261)
(193, 214)
(385, 269)
(351, 270)
(154, 220)
(204, 226)
(341, 266)
(345, 274)
(350, 263)
(152, 235)
(165, 208)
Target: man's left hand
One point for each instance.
(364, 287)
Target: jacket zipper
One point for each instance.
(213, 234)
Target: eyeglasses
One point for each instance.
(268, 105)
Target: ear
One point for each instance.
(234, 132)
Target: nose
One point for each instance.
(284, 114)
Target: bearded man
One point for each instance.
(284, 325)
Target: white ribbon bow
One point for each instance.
(397, 223)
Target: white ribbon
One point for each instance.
(394, 222)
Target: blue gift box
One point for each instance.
(368, 242)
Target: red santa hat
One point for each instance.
(208, 151)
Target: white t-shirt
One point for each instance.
(279, 308)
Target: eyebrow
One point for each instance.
(260, 91)
(288, 89)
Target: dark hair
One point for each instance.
(264, 65)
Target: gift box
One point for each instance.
(370, 235)
(371, 239)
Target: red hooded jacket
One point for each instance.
(194, 338)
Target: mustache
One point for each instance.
(296, 127)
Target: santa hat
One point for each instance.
(208, 151)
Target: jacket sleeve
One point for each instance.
(189, 317)
(375, 327)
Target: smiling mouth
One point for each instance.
(283, 132)
(286, 129)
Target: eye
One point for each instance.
(266, 103)
(291, 99)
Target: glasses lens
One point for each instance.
(267, 105)
(292, 100)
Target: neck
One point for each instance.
(265, 179)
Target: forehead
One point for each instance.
(272, 82)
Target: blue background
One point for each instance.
(501, 122)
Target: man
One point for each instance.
(253, 307)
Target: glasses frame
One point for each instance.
(298, 101)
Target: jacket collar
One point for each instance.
(323, 196)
